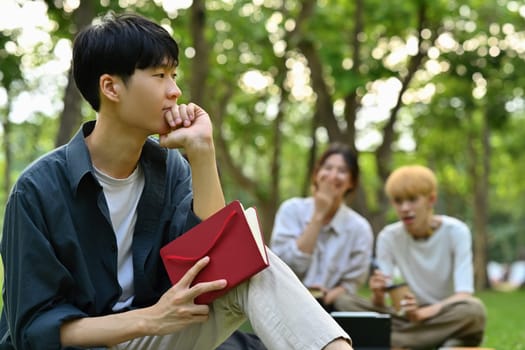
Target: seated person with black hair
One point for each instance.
(326, 243)
(84, 224)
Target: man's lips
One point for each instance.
(408, 219)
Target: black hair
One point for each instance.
(349, 157)
(118, 45)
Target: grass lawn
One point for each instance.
(506, 318)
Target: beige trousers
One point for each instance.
(280, 309)
(458, 323)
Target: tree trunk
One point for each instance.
(481, 208)
(70, 118)
(478, 170)
(200, 65)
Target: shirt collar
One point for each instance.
(340, 220)
(78, 159)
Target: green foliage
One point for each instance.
(10, 71)
(246, 36)
(482, 74)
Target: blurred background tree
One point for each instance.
(434, 82)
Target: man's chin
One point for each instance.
(164, 130)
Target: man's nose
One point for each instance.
(405, 205)
(173, 90)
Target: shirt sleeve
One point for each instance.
(463, 269)
(384, 255)
(33, 278)
(287, 228)
(180, 195)
(359, 260)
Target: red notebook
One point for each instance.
(231, 238)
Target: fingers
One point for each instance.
(181, 115)
(377, 273)
(327, 184)
(409, 300)
(409, 307)
(190, 275)
(189, 128)
(408, 303)
(378, 280)
(199, 288)
(205, 287)
(409, 296)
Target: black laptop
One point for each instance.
(368, 330)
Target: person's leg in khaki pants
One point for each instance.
(281, 311)
(462, 322)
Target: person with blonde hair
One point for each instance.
(433, 255)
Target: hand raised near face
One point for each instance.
(176, 308)
(326, 196)
(190, 128)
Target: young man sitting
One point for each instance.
(84, 224)
(434, 255)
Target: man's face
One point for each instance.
(148, 95)
(415, 212)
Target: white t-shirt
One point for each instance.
(434, 268)
(122, 197)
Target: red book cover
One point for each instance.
(231, 238)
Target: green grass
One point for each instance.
(505, 321)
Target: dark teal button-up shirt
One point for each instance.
(59, 249)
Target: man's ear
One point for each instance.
(110, 86)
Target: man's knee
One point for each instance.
(473, 315)
(477, 314)
(474, 310)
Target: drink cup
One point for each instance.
(316, 292)
(397, 292)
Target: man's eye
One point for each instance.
(159, 75)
